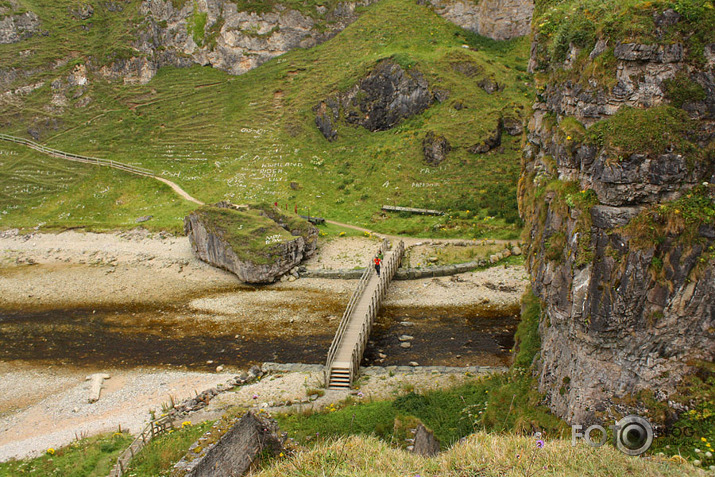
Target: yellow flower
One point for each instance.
(185, 424)
(50, 451)
(703, 439)
(281, 454)
(568, 138)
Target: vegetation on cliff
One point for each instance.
(561, 25)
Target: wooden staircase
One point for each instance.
(339, 376)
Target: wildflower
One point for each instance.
(185, 424)
(568, 138)
(697, 463)
(50, 451)
(360, 394)
(281, 455)
(539, 444)
(708, 454)
(703, 439)
(697, 451)
(255, 396)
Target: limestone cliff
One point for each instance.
(216, 33)
(618, 198)
(496, 19)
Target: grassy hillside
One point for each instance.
(253, 137)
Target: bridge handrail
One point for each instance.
(77, 157)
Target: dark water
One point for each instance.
(469, 336)
(173, 337)
(155, 337)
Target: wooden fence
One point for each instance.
(153, 429)
(76, 157)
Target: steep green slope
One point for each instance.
(253, 137)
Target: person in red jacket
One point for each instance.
(378, 262)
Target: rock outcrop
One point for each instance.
(435, 148)
(15, 28)
(386, 96)
(252, 244)
(619, 204)
(496, 19)
(217, 34)
(490, 142)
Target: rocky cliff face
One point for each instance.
(496, 19)
(617, 193)
(215, 33)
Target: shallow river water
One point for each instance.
(180, 337)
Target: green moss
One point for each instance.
(652, 131)
(562, 23)
(679, 220)
(555, 246)
(196, 25)
(682, 90)
(252, 236)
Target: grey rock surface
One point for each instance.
(15, 28)
(425, 442)
(379, 101)
(496, 19)
(435, 148)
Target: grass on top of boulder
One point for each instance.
(252, 236)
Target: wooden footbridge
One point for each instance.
(354, 330)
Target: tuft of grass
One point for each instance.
(482, 454)
(92, 457)
(651, 131)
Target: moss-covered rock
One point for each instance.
(258, 244)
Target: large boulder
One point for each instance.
(258, 245)
(386, 96)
